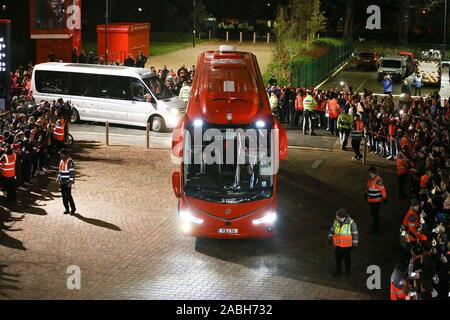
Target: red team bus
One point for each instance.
(229, 146)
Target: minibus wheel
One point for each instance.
(75, 118)
(157, 124)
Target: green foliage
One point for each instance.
(328, 42)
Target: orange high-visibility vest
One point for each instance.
(412, 222)
(343, 237)
(424, 181)
(397, 293)
(59, 131)
(334, 109)
(299, 103)
(403, 164)
(8, 165)
(376, 191)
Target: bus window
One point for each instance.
(84, 85)
(52, 82)
(112, 87)
(138, 90)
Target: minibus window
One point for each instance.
(112, 87)
(52, 82)
(138, 90)
(84, 85)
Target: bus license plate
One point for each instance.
(228, 231)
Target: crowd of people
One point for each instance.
(415, 133)
(178, 82)
(30, 135)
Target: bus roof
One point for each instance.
(95, 69)
(228, 88)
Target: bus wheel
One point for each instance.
(75, 118)
(158, 124)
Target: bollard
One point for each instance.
(240, 37)
(254, 37)
(148, 135)
(107, 134)
(228, 34)
(268, 37)
(209, 35)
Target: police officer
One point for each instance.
(344, 236)
(66, 180)
(309, 105)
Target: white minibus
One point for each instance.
(115, 94)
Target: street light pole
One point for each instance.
(194, 32)
(445, 31)
(106, 32)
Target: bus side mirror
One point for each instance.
(176, 183)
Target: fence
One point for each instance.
(317, 70)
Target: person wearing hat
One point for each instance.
(66, 180)
(376, 195)
(344, 236)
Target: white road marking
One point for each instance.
(362, 84)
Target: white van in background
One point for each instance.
(109, 94)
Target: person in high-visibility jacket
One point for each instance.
(273, 100)
(376, 195)
(412, 221)
(59, 132)
(344, 236)
(309, 105)
(357, 136)
(344, 125)
(185, 92)
(334, 110)
(398, 282)
(404, 165)
(66, 180)
(299, 109)
(8, 169)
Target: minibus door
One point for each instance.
(143, 105)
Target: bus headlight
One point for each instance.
(269, 218)
(187, 217)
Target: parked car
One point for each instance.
(368, 60)
(394, 66)
(411, 62)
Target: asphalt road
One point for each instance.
(366, 79)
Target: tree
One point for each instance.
(283, 34)
(349, 19)
(307, 18)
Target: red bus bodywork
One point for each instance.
(212, 104)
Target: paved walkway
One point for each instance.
(127, 242)
(189, 56)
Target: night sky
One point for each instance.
(177, 16)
